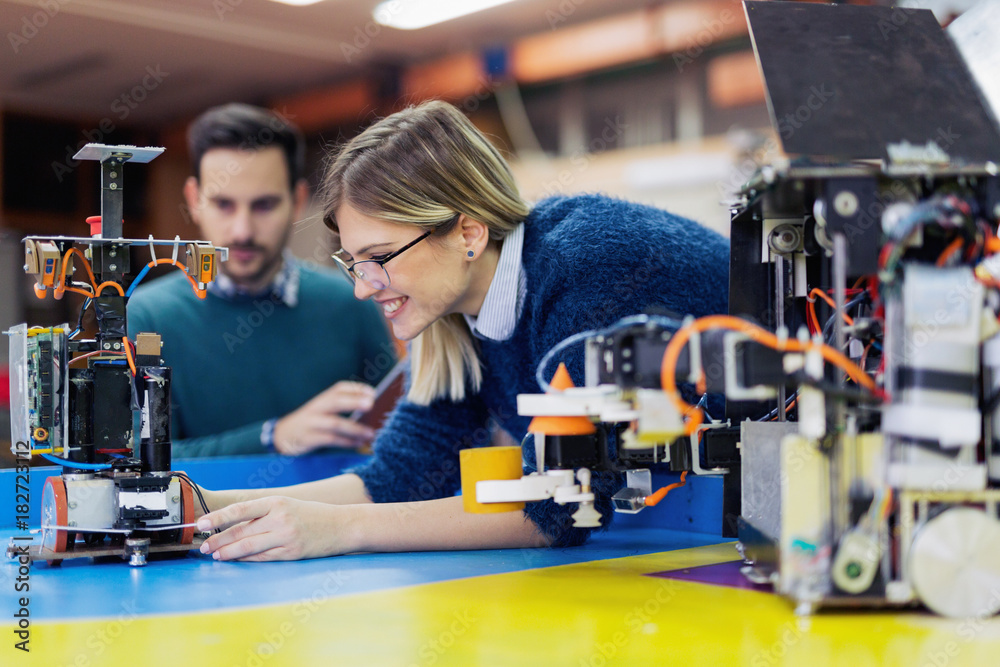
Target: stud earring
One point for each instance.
(471, 254)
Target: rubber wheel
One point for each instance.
(54, 513)
(187, 512)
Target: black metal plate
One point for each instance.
(845, 81)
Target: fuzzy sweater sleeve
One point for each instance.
(415, 455)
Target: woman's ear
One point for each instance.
(475, 236)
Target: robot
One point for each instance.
(101, 408)
(860, 358)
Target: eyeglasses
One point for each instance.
(372, 271)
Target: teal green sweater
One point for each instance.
(238, 363)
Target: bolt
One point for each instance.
(174, 518)
(845, 203)
(113, 267)
(114, 186)
(114, 174)
(72, 505)
(71, 523)
(107, 346)
(117, 346)
(175, 499)
(113, 253)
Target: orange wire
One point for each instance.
(128, 355)
(952, 248)
(887, 503)
(755, 333)
(118, 287)
(651, 500)
(89, 295)
(86, 265)
(817, 292)
(200, 293)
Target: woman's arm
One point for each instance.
(281, 528)
(347, 489)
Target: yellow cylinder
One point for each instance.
(488, 463)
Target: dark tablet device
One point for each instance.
(387, 392)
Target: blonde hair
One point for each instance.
(425, 166)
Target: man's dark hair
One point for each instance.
(246, 127)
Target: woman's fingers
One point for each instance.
(234, 514)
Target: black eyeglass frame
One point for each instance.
(349, 270)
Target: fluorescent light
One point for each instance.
(414, 14)
(298, 3)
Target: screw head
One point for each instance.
(845, 203)
(113, 267)
(114, 186)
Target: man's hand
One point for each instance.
(277, 528)
(319, 423)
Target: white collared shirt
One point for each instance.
(505, 298)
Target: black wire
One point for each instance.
(833, 390)
(774, 413)
(197, 491)
(827, 328)
(83, 310)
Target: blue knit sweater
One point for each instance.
(589, 261)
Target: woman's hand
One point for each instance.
(277, 528)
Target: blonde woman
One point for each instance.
(432, 229)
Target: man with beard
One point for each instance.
(279, 351)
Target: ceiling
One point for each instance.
(150, 62)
